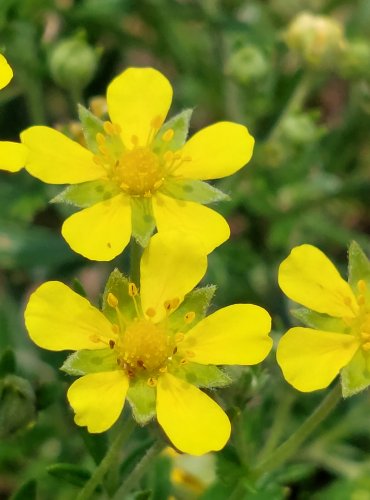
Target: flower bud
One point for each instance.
(73, 64)
(17, 405)
(318, 40)
(247, 65)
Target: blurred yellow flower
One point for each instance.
(154, 345)
(12, 155)
(144, 170)
(339, 341)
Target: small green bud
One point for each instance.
(318, 40)
(355, 60)
(247, 65)
(300, 128)
(17, 405)
(73, 64)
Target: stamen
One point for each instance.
(117, 128)
(168, 156)
(190, 354)
(168, 135)
(98, 160)
(156, 122)
(112, 343)
(132, 289)
(100, 139)
(103, 149)
(163, 369)
(361, 300)
(366, 347)
(150, 312)
(189, 317)
(112, 300)
(108, 127)
(152, 382)
(365, 336)
(361, 285)
(95, 338)
(184, 361)
(175, 302)
(115, 329)
(158, 184)
(179, 337)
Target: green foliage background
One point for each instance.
(308, 182)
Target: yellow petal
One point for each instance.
(58, 318)
(98, 399)
(216, 151)
(12, 156)
(234, 335)
(56, 159)
(171, 266)
(192, 420)
(311, 359)
(209, 227)
(138, 101)
(6, 72)
(102, 231)
(307, 276)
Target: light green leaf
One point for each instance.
(355, 377)
(202, 375)
(319, 321)
(196, 301)
(88, 193)
(142, 399)
(91, 125)
(180, 125)
(117, 284)
(143, 222)
(192, 190)
(358, 268)
(86, 361)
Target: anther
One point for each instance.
(361, 285)
(366, 347)
(150, 312)
(189, 317)
(112, 300)
(117, 128)
(174, 350)
(158, 184)
(100, 138)
(163, 369)
(115, 329)
(97, 160)
(184, 361)
(112, 343)
(179, 337)
(156, 122)
(361, 300)
(167, 305)
(152, 382)
(365, 336)
(94, 338)
(168, 156)
(175, 302)
(132, 289)
(168, 135)
(190, 354)
(108, 127)
(103, 149)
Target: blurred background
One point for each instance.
(297, 73)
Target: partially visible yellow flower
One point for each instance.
(339, 340)
(149, 347)
(139, 171)
(12, 154)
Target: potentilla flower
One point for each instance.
(12, 155)
(153, 347)
(338, 340)
(138, 172)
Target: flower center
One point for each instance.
(145, 345)
(139, 172)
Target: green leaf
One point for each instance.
(78, 287)
(192, 190)
(28, 491)
(196, 301)
(358, 268)
(202, 375)
(117, 284)
(142, 399)
(88, 193)
(7, 362)
(86, 361)
(143, 222)
(73, 474)
(355, 376)
(91, 125)
(319, 321)
(180, 125)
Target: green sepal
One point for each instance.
(91, 125)
(358, 268)
(180, 125)
(207, 376)
(73, 474)
(88, 193)
(86, 361)
(192, 190)
(117, 284)
(142, 219)
(197, 301)
(319, 321)
(142, 399)
(355, 377)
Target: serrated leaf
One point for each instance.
(73, 474)
(196, 301)
(192, 190)
(180, 125)
(143, 222)
(319, 321)
(142, 399)
(86, 361)
(91, 125)
(86, 194)
(117, 284)
(358, 268)
(202, 375)
(355, 377)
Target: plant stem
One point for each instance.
(108, 461)
(291, 445)
(140, 468)
(135, 256)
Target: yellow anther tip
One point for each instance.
(112, 300)
(168, 135)
(152, 382)
(189, 317)
(150, 312)
(366, 346)
(132, 289)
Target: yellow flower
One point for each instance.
(152, 344)
(12, 155)
(339, 340)
(141, 168)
